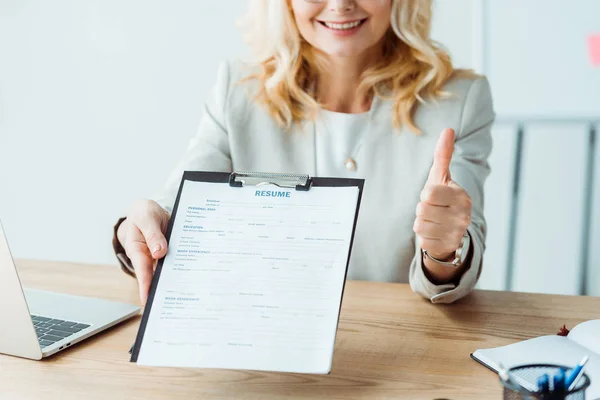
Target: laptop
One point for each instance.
(37, 324)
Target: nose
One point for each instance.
(342, 5)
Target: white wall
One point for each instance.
(99, 98)
(457, 25)
(540, 47)
(97, 101)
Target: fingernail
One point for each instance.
(155, 248)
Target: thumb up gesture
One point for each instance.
(444, 212)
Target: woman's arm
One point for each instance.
(468, 169)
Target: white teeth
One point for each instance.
(346, 26)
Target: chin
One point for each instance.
(342, 51)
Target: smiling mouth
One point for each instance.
(346, 26)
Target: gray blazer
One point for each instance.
(236, 133)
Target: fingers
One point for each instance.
(145, 241)
(446, 206)
(432, 213)
(437, 239)
(143, 263)
(150, 220)
(442, 195)
(442, 217)
(444, 212)
(430, 230)
(440, 170)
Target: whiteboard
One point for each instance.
(538, 60)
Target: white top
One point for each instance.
(338, 137)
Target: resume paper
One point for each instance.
(253, 279)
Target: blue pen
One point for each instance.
(543, 382)
(558, 383)
(576, 373)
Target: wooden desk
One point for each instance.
(390, 344)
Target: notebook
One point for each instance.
(584, 339)
(254, 274)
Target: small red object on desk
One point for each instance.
(563, 331)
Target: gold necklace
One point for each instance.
(350, 162)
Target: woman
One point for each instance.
(351, 88)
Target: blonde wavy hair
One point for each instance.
(413, 67)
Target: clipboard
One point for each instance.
(297, 182)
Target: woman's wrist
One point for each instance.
(440, 274)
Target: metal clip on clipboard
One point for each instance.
(298, 181)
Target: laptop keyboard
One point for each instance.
(50, 331)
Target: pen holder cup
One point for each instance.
(528, 374)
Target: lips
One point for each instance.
(343, 26)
